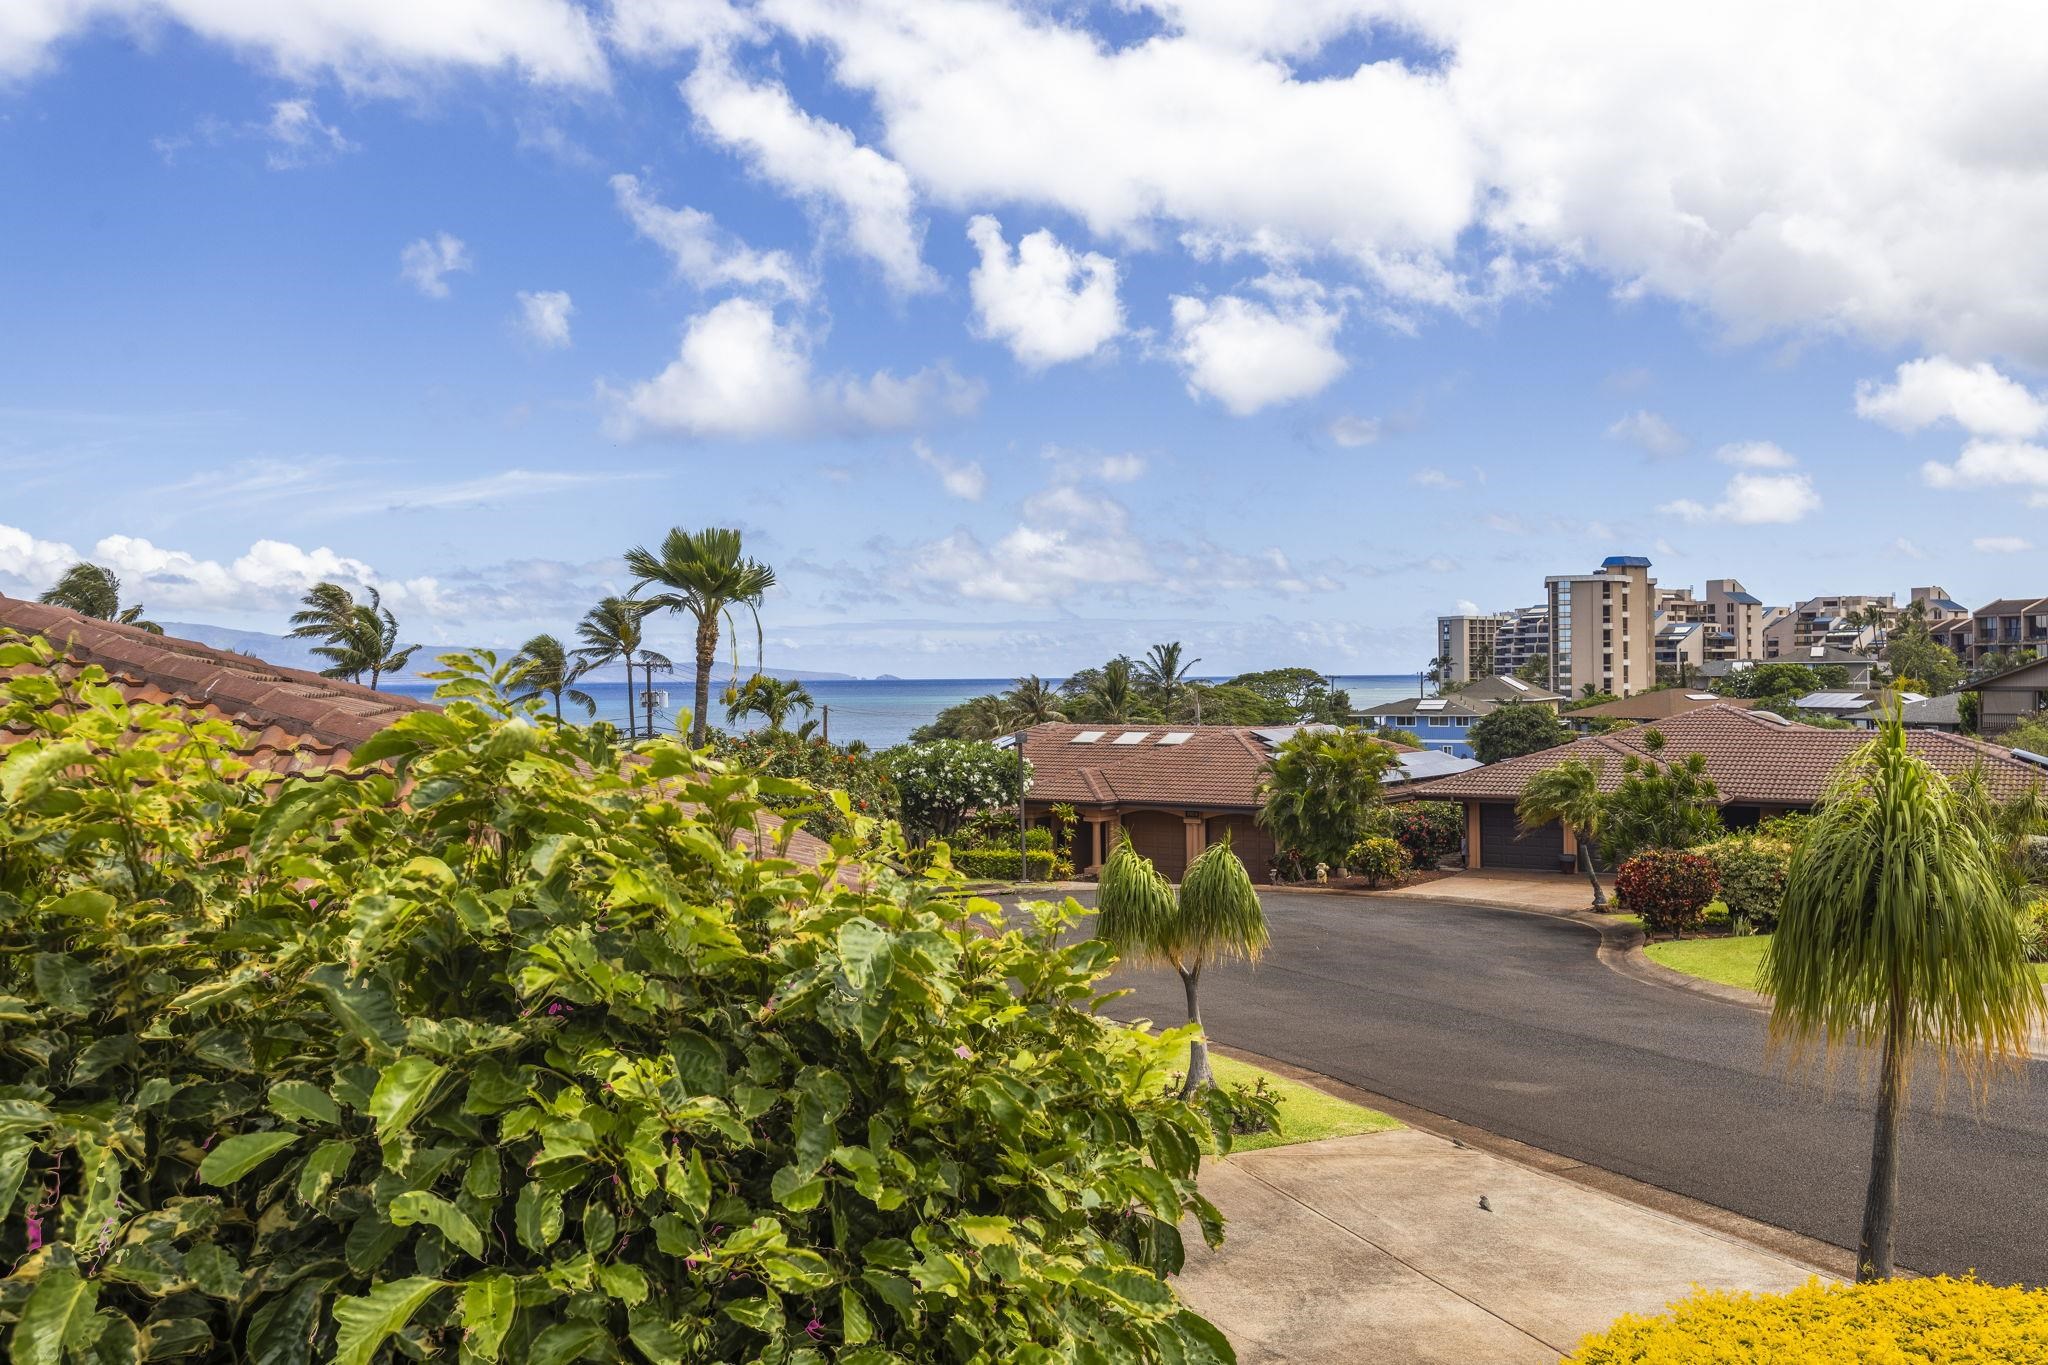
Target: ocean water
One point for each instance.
(878, 711)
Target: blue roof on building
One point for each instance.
(1946, 604)
(1625, 562)
(1746, 599)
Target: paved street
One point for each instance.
(1508, 1022)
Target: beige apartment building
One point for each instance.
(1726, 623)
(1466, 646)
(1603, 628)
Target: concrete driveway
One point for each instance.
(1509, 1022)
(1376, 1248)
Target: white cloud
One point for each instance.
(300, 138)
(1351, 432)
(1121, 468)
(1906, 549)
(1754, 500)
(31, 564)
(741, 374)
(1045, 302)
(2002, 545)
(1435, 478)
(820, 162)
(544, 317)
(652, 29)
(961, 478)
(1755, 455)
(1067, 544)
(427, 262)
(1991, 464)
(1976, 398)
(364, 43)
(1248, 355)
(703, 253)
(1649, 432)
(1777, 169)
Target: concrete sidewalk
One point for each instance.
(1553, 892)
(1376, 1248)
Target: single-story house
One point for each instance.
(1927, 713)
(291, 721)
(1644, 707)
(1860, 668)
(2006, 699)
(1848, 705)
(1441, 723)
(1175, 789)
(1761, 764)
(1502, 688)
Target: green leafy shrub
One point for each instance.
(2033, 922)
(1428, 831)
(820, 767)
(1000, 864)
(940, 784)
(1375, 858)
(1672, 806)
(1669, 889)
(1750, 872)
(513, 1050)
(1790, 827)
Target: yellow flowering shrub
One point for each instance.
(1893, 1322)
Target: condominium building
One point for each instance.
(2006, 626)
(1465, 645)
(1523, 635)
(1603, 628)
(1727, 623)
(1836, 621)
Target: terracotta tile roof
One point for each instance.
(1752, 756)
(291, 720)
(1662, 705)
(1217, 767)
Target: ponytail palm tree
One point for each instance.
(93, 590)
(1897, 934)
(544, 667)
(703, 575)
(1569, 793)
(1216, 916)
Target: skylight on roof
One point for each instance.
(1702, 696)
(1516, 683)
(1429, 706)
(1132, 737)
(1177, 737)
(1817, 651)
(1086, 737)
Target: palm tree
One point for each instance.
(985, 718)
(356, 637)
(93, 590)
(544, 666)
(1897, 932)
(1163, 674)
(1032, 701)
(1569, 793)
(1112, 697)
(770, 698)
(704, 575)
(1216, 915)
(611, 632)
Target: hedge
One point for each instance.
(1000, 864)
(1908, 1322)
(512, 1050)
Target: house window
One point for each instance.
(1401, 722)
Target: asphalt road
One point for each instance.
(1509, 1022)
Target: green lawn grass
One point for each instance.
(1306, 1113)
(1730, 961)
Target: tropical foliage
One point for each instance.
(785, 757)
(94, 590)
(509, 1051)
(1215, 916)
(544, 667)
(772, 699)
(939, 783)
(1516, 729)
(1898, 935)
(1321, 790)
(1427, 831)
(1568, 793)
(1375, 858)
(613, 631)
(356, 638)
(1669, 889)
(705, 576)
(1672, 805)
(1155, 690)
(1943, 1319)
(1750, 870)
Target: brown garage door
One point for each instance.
(1247, 840)
(1504, 843)
(1162, 838)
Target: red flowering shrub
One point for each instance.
(1427, 831)
(1669, 889)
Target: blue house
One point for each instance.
(1441, 723)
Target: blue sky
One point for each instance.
(1014, 336)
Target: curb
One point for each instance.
(1823, 1257)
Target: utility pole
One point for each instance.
(826, 711)
(1023, 781)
